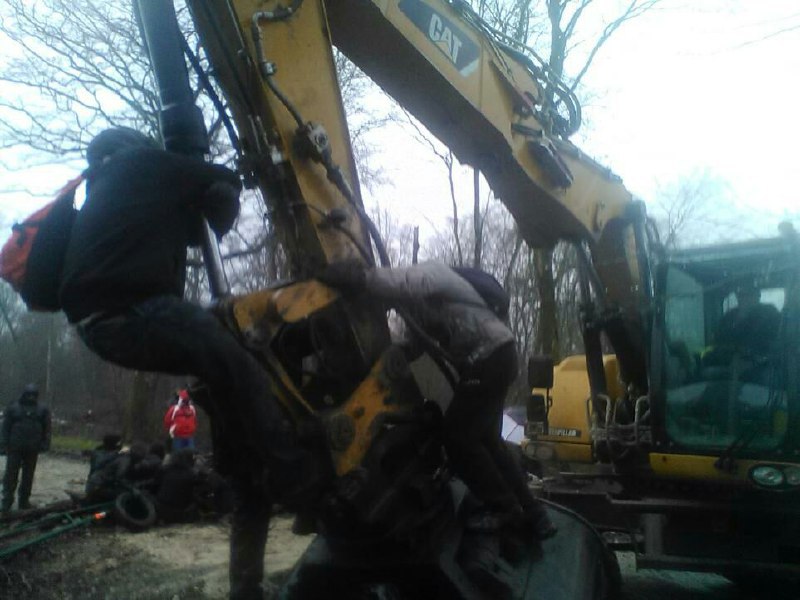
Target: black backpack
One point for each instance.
(493, 294)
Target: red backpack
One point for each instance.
(32, 258)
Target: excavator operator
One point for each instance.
(751, 325)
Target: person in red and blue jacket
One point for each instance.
(180, 422)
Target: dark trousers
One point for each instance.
(169, 335)
(16, 460)
(472, 433)
(249, 528)
(249, 428)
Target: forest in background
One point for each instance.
(82, 66)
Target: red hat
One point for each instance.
(183, 394)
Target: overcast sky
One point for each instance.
(681, 90)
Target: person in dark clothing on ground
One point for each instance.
(107, 479)
(105, 452)
(175, 498)
(144, 469)
(482, 350)
(157, 450)
(123, 284)
(101, 474)
(26, 433)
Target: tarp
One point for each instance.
(512, 431)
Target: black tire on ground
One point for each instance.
(135, 510)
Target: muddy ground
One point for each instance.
(176, 562)
(189, 562)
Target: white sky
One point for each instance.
(678, 91)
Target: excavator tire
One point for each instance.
(613, 576)
(135, 510)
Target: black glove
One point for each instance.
(348, 276)
(221, 206)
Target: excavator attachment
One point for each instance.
(392, 521)
(454, 564)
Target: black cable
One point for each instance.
(232, 62)
(333, 171)
(212, 93)
(542, 71)
(367, 256)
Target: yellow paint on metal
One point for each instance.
(295, 302)
(472, 111)
(252, 309)
(557, 452)
(366, 405)
(569, 395)
(287, 304)
(702, 467)
(300, 49)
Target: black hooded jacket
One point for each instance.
(142, 210)
(26, 426)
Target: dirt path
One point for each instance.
(190, 562)
(102, 562)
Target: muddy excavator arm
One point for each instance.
(392, 510)
(485, 98)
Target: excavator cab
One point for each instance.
(726, 345)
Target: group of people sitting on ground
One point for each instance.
(181, 485)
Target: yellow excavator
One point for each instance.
(700, 470)
(391, 523)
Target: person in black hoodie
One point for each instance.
(123, 283)
(26, 432)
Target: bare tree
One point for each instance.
(447, 158)
(69, 69)
(688, 209)
(80, 66)
(568, 29)
(355, 87)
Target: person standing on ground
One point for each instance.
(180, 422)
(26, 433)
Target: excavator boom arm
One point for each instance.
(483, 99)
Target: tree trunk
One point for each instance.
(547, 342)
(138, 412)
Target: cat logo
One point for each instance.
(450, 40)
(441, 34)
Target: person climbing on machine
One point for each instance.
(470, 333)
